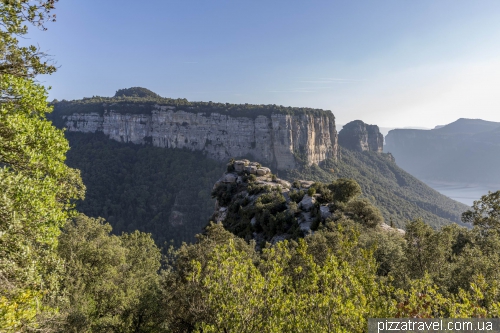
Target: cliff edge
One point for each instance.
(284, 138)
(359, 136)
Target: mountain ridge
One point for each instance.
(465, 151)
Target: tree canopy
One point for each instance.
(37, 187)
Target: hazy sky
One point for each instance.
(390, 63)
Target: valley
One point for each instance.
(154, 171)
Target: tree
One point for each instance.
(23, 61)
(485, 213)
(112, 281)
(37, 187)
(345, 189)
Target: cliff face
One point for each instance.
(359, 136)
(278, 139)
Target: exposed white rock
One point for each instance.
(230, 178)
(284, 183)
(239, 166)
(305, 183)
(305, 221)
(273, 138)
(325, 212)
(253, 221)
(263, 171)
(307, 203)
(252, 169)
(387, 227)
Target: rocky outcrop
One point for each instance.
(281, 140)
(258, 205)
(248, 181)
(359, 136)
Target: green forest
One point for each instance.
(63, 271)
(141, 100)
(165, 192)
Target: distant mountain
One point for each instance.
(465, 151)
(468, 126)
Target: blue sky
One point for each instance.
(391, 63)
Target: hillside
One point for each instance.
(165, 192)
(399, 196)
(465, 151)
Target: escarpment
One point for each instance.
(282, 140)
(359, 136)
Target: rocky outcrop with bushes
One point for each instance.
(253, 203)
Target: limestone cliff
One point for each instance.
(359, 136)
(281, 140)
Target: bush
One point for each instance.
(345, 189)
(296, 195)
(364, 212)
(311, 191)
(224, 192)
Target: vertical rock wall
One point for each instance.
(279, 139)
(359, 136)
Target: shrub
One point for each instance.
(296, 195)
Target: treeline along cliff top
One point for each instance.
(139, 100)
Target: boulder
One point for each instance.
(388, 228)
(307, 203)
(230, 178)
(263, 171)
(325, 212)
(306, 222)
(305, 183)
(284, 183)
(252, 169)
(216, 184)
(253, 221)
(239, 166)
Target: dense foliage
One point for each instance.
(112, 282)
(138, 100)
(36, 186)
(136, 92)
(330, 281)
(399, 196)
(162, 191)
(167, 191)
